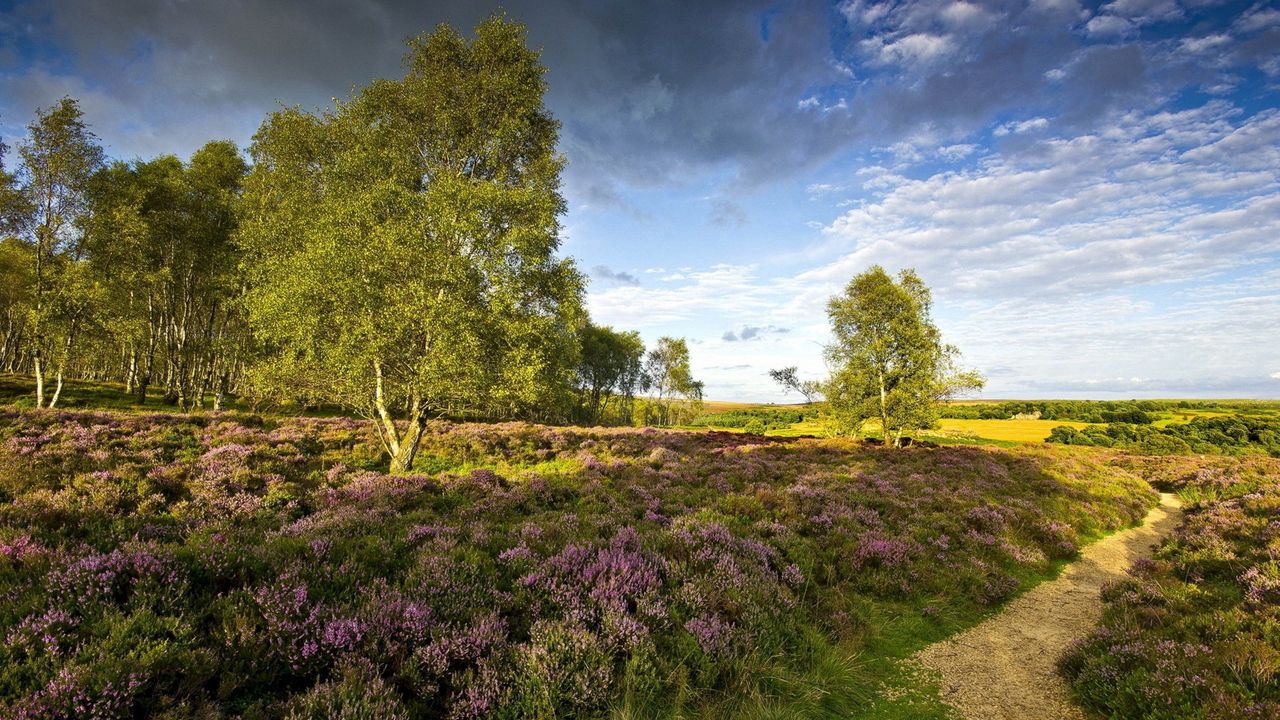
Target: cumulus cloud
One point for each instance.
(1106, 26)
(959, 151)
(1152, 200)
(1021, 126)
(618, 277)
(753, 332)
(649, 94)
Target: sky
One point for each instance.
(1092, 190)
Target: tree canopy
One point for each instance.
(401, 246)
(670, 378)
(790, 381)
(610, 371)
(59, 157)
(888, 361)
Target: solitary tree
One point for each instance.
(888, 360)
(59, 156)
(670, 377)
(401, 247)
(610, 369)
(790, 381)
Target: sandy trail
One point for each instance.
(1004, 669)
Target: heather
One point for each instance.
(1196, 632)
(217, 565)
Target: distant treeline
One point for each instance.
(1134, 412)
(756, 420)
(1231, 435)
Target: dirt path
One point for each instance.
(1004, 668)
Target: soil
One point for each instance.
(1005, 668)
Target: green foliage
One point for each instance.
(888, 360)
(1090, 411)
(1230, 435)
(401, 247)
(756, 420)
(59, 157)
(790, 381)
(358, 693)
(610, 371)
(160, 239)
(15, 206)
(668, 376)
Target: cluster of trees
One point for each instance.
(1135, 412)
(1231, 435)
(395, 255)
(757, 420)
(614, 368)
(119, 270)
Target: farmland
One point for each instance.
(1008, 423)
(218, 565)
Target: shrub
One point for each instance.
(205, 566)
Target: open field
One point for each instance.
(1023, 431)
(950, 431)
(210, 565)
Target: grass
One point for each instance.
(879, 682)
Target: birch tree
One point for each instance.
(401, 246)
(59, 156)
(888, 360)
(670, 377)
(610, 369)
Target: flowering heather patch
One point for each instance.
(1193, 633)
(223, 565)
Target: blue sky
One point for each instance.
(1092, 189)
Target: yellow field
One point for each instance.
(725, 406)
(1011, 430)
(1186, 416)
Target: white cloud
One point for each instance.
(957, 152)
(1258, 18)
(1208, 42)
(1131, 206)
(911, 50)
(724, 290)
(1022, 126)
(650, 99)
(1144, 11)
(1108, 26)
(1275, 375)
